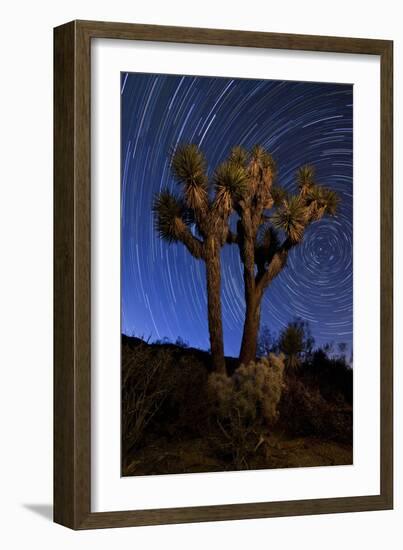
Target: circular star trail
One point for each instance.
(163, 287)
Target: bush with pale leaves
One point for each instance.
(253, 391)
(245, 405)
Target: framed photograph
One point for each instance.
(223, 314)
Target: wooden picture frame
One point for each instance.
(72, 268)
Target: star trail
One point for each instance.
(163, 287)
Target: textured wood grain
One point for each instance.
(72, 367)
(72, 264)
(220, 37)
(64, 382)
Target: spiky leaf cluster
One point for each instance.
(291, 217)
(169, 215)
(292, 344)
(321, 200)
(239, 155)
(305, 178)
(189, 169)
(331, 199)
(230, 184)
(261, 157)
(295, 340)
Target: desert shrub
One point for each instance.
(246, 404)
(332, 375)
(296, 342)
(185, 407)
(305, 412)
(163, 394)
(146, 384)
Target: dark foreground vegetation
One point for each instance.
(290, 409)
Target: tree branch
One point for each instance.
(192, 243)
(276, 265)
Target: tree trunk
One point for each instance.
(253, 296)
(251, 328)
(213, 274)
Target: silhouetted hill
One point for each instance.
(178, 351)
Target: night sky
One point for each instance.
(163, 287)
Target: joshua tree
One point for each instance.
(271, 222)
(199, 220)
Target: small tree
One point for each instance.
(296, 342)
